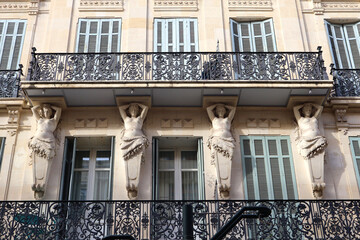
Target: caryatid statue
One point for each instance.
(311, 145)
(133, 144)
(222, 144)
(42, 145)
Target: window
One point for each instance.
(175, 35)
(355, 151)
(178, 169)
(11, 40)
(87, 170)
(98, 35)
(345, 44)
(253, 36)
(268, 167)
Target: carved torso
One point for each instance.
(309, 127)
(133, 126)
(221, 127)
(45, 128)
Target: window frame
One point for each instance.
(266, 155)
(336, 57)
(354, 157)
(251, 37)
(98, 34)
(14, 35)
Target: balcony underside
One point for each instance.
(179, 93)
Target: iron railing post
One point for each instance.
(188, 222)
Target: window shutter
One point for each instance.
(245, 36)
(235, 37)
(2, 149)
(155, 156)
(69, 154)
(340, 45)
(98, 35)
(257, 37)
(355, 151)
(200, 163)
(268, 28)
(352, 33)
(11, 40)
(332, 43)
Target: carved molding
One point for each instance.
(320, 6)
(256, 5)
(263, 123)
(176, 5)
(91, 123)
(101, 5)
(177, 123)
(32, 7)
(340, 117)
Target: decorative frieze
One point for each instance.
(263, 123)
(30, 7)
(101, 5)
(256, 5)
(176, 5)
(91, 123)
(321, 6)
(177, 123)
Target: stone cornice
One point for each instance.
(30, 7)
(250, 5)
(176, 5)
(321, 6)
(101, 5)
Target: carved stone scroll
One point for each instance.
(133, 144)
(311, 145)
(222, 144)
(42, 145)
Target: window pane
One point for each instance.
(356, 147)
(342, 53)
(105, 27)
(166, 186)
(246, 146)
(189, 159)
(15, 57)
(82, 159)
(166, 160)
(190, 186)
(101, 189)
(6, 52)
(272, 147)
(249, 179)
(10, 28)
(79, 188)
(284, 147)
(289, 179)
(276, 179)
(115, 27)
(93, 27)
(103, 159)
(258, 147)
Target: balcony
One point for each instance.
(328, 219)
(177, 76)
(346, 82)
(10, 83)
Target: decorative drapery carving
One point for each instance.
(42, 145)
(221, 144)
(133, 144)
(311, 145)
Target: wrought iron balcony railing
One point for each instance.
(337, 219)
(10, 83)
(346, 82)
(194, 66)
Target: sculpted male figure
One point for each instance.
(311, 145)
(133, 144)
(221, 144)
(42, 145)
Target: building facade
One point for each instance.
(180, 100)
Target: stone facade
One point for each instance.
(52, 26)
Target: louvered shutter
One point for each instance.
(338, 39)
(268, 169)
(11, 40)
(352, 33)
(253, 36)
(332, 43)
(98, 35)
(175, 35)
(355, 150)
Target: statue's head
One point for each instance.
(307, 109)
(46, 111)
(220, 111)
(133, 110)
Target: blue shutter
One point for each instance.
(11, 40)
(352, 34)
(200, 163)
(268, 168)
(2, 150)
(98, 35)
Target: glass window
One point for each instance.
(268, 168)
(344, 43)
(11, 40)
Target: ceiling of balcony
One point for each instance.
(178, 97)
